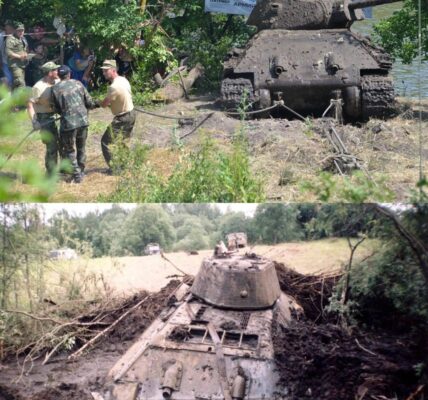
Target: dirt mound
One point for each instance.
(63, 392)
(7, 393)
(326, 362)
(312, 292)
(136, 322)
(319, 360)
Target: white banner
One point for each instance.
(241, 7)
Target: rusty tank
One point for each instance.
(213, 340)
(305, 58)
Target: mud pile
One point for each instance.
(324, 361)
(312, 292)
(318, 359)
(64, 380)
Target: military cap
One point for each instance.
(19, 25)
(49, 66)
(108, 64)
(64, 70)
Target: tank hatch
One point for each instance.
(237, 281)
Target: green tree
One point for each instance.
(234, 222)
(100, 23)
(145, 224)
(399, 34)
(276, 223)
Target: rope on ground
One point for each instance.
(141, 110)
(178, 269)
(197, 126)
(252, 112)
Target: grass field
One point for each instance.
(124, 275)
(282, 153)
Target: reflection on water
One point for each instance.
(405, 76)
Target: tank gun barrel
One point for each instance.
(369, 3)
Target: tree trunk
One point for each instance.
(345, 292)
(173, 91)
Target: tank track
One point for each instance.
(377, 96)
(233, 90)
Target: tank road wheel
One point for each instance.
(377, 96)
(352, 98)
(265, 101)
(235, 90)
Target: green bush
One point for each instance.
(357, 188)
(207, 174)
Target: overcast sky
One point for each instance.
(80, 209)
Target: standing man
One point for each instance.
(72, 101)
(16, 48)
(41, 111)
(8, 31)
(119, 99)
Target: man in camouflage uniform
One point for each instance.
(16, 48)
(72, 101)
(8, 30)
(119, 99)
(42, 114)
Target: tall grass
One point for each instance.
(206, 174)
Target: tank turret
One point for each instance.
(304, 56)
(214, 340)
(309, 14)
(248, 282)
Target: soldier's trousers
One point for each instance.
(18, 76)
(76, 155)
(50, 138)
(121, 125)
(7, 74)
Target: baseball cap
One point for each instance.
(107, 64)
(64, 70)
(49, 66)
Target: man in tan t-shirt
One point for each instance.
(41, 111)
(119, 99)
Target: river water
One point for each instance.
(406, 77)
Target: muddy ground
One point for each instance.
(283, 153)
(317, 356)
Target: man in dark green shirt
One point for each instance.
(72, 101)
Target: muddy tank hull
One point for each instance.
(177, 356)
(205, 347)
(307, 69)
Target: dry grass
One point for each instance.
(278, 149)
(129, 274)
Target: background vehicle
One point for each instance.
(152, 248)
(236, 240)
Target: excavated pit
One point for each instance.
(316, 357)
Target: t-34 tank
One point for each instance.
(213, 341)
(304, 55)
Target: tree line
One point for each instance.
(186, 227)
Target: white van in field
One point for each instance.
(152, 248)
(63, 254)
